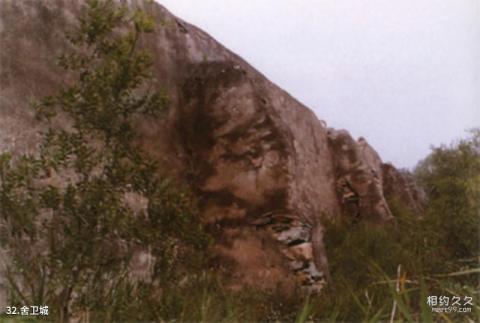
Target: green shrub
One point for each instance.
(74, 214)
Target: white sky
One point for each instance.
(405, 74)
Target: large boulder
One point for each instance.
(265, 169)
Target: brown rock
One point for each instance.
(265, 169)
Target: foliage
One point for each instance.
(71, 242)
(451, 177)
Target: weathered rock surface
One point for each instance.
(265, 169)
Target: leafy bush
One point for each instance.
(75, 214)
(451, 178)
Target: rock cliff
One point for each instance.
(265, 169)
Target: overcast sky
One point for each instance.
(404, 74)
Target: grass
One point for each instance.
(379, 275)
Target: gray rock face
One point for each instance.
(265, 169)
(359, 184)
(400, 186)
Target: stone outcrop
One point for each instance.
(266, 171)
(359, 182)
(400, 186)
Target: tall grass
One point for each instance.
(379, 274)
